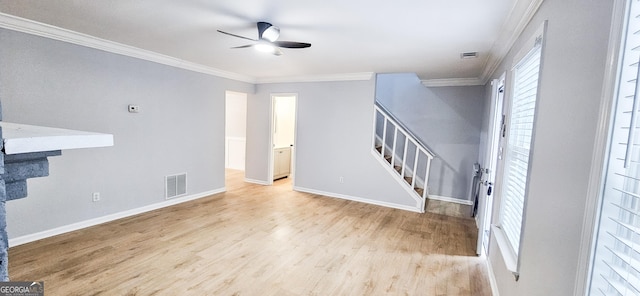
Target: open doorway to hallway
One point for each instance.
(235, 131)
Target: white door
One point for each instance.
(491, 163)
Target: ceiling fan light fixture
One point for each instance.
(265, 47)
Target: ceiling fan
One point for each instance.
(267, 40)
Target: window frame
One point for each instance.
(602, 147)
(600, 153)
(511, 256)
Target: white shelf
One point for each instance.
(22, 138)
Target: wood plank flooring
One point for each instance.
(261, 240)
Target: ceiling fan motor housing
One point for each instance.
(268, 31)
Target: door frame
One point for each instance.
(274, 96)
(491, 162)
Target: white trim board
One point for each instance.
(492, 278)
(35, 28)
(358, 199)
(452, 82)
(255, 181)
(450, 199)
(365, 76)
(108, 218)
(31, 27)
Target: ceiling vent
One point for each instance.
(469, 55)
(176, 185)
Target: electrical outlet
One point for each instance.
(96, 196)
(134, 109)
(341, 179)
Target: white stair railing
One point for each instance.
(406, 157)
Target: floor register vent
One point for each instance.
(176, 185)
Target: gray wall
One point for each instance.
(447, 119)
(571, 84)
(180, 128)
(333, 139)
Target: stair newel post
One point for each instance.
(377, 115)
(426, 176)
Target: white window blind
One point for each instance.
(521, 115)
(519, 144)
(615, 269)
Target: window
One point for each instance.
(615, 268)
(517, 150)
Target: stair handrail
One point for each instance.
(404, 128)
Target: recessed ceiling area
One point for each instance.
(424, 37)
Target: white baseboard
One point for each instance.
(492, 278)
(359, 199)
(259, 182)
(451, 199)
(108, 218)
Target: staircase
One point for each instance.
(403, 154)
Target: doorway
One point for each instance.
(283, 123)
(235, 130)
(493, 154)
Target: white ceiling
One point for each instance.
(421, 36)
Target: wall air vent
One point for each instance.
(469, 55)
(175, 185)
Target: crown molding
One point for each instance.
(452, 82)
(364, 76)
(31, 27)
(519, 17)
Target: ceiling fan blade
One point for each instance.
(243, 46)
(291, 44)
(234, 35)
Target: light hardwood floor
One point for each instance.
(261, 240)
